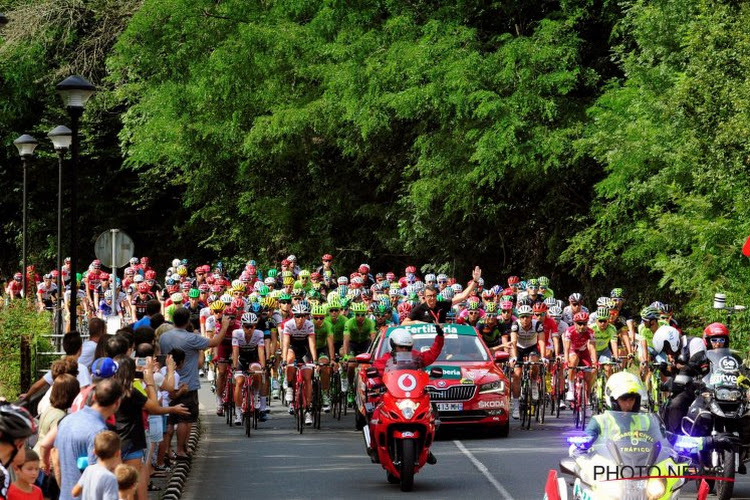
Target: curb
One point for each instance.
(181, 471)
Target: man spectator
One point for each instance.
(96, 329)
(77, 431)
(193, 345)
(434, 311)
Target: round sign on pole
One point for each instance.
(114, 248)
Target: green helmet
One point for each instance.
(272, 273)
(304, 273)
(319, 310)
(334, 303)
(314, 294)
(543, 281)
(287, 274)
(253, 298)
(298, 285)
(263, 291)
(617, 293)
(344, 303)
(285, 296)
(490, 308)
(359, 307)
(649, 312)
(472, 305)
(194, 293)
(381, 309)
(532, 283)
(602, 312)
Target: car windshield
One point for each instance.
(456, 347)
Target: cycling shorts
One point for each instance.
(245, 367)
(358, 347)
(224, 352)
(604, 355)
(527, 352)
(301, 353)
(584, 357)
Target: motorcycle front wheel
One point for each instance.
(408, 457)
(724, 489)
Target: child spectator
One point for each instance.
(98, 481)
(23, 487)
(127, 481)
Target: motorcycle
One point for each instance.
(631, 460)
(402, 427)
(721, 410)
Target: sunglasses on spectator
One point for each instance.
(581, 323)
(430, 295)
(719, 340)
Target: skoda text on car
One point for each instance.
(473, 389)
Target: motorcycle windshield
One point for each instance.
(725, 368)
(405, 383)
(633, 439)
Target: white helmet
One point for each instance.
(430, 277)
(177, 298)
(176, 263)
(226, 299)
(457, 287)
(400, 337)
(269, 281)
(620, 384)
(249, 319)
(666, 334)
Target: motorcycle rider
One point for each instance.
(402, 342)
(688, 357)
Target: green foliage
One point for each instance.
(19, 319)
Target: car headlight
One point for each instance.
(408, 408)
(655, 488)
(490, 387)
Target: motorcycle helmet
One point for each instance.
(716, 330)
(15, 423)
(401, 338)
(620, 384)
(666, 336)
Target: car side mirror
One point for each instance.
(501, 357)
(365, 357)
(436, 372)
(372, 372)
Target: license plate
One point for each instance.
(450, 406)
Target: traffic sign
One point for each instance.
(114, 248)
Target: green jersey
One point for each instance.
(645, 332)
(602, 338)
(357, 333)
(321, 337)
(337, 328)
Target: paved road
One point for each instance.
(278, 463)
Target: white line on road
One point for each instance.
(483, 469)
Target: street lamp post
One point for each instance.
(74, 91)
(61, 138)
(26, 146)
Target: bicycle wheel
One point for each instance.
(247, 405)
(542, 395)
(523, 403)
(255, 412)
(584, 402)
(300, 406)
(335, 394)
(577, 404)
(558, 391)
(317, 403)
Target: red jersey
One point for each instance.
(579, 340)
(425, 358)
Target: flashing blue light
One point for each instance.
(579, 441)
(688, 444)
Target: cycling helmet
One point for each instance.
(390, 277)
(524, 310)
(108, 295)
(150, 274)
(216, 289)
(319, 310)
(430, 278)
(186, 285)
(359, 307)
(649, 313)
(182, 271)
(102, 276)
(316, 276)
(298, 292)
(539, 307)
(617, 293)
(488, 294)
(581, 317)
(249, 319)
(575, 297)
(404, 309)
(292, 258)
(620, 384)
(245, 278)
(666, 336)
(15, 423)
(506, 305)
(129, 271)
(342, 280)
(263, 290)
(513, 280)
(238, 287)
(269, 281)
(238, 304)
(301, 308)
(525, 301)
(555, 312)
(314, 295)
(550, 301)
(138, 278)
(543, 281)
(715, 330)
(334, 303)
(400, 337)
(457, 288)
(203, 288)
(97, 264)
(602, 302)
(532, 283)
(410, 270)
(226, 299)
(288, 280)
(602, 312)
(176, 298)
(230, 311)
(272, 273)
(521, 285)
(447, 293)
(304, 273)
(327, 256)
(667, 309)
(143, 287)
(657, 305)
(440, 277)
(357, 281)
(490, 308)
(560, 304)
(217, 306)
(145, 261)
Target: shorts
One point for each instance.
(655, 358)
(584, 357)
(224, 352)
(133, 455)
(358, 347)
(301, 353)
(527, 352)
(267, 334)
(245, 367)
(155, 432)
(190, 400)
(604, 355)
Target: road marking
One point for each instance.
(483, 469)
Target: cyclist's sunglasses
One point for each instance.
(525, 316)
(248, 325)
(317, 318)
(300, 315)
(719, 340)
(602, 321)
(538, 315)
(360, 315)
(581, 323)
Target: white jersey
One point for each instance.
(240, 340)
(46, 291)
(527, 338)
(297, 335)
(211, 323)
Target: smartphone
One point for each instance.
(162, 360)
(141, 362)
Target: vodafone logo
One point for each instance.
(407, 382)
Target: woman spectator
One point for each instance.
(64, 390)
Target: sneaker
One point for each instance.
(201, 373)
(274, 384)
(291, 409)
(308, 418)
(326, 403)
(569, 396)
(516, 411)
(275, 393)
(238, 418)
(344, 385)
(220, 411)
(534, 392)
(562, 405)
(288, 396)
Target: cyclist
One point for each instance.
(649, 324)
(605, 339)
(16, 426)
(579, 348)
(325, 348)
(575, 305)
(489, 328)
(472, 314)
(46, 293)
(622, 318)
(298, 343)
(526, 341)
(544, 288)
(213, 323)
(359, 331)
(194, 307)
(248, 354)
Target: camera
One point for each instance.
(141, 362)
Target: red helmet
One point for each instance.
(390, 277)
(144, 261)
(509, 292)
(715, 330)
(18, 276)
(150, 274)
(173, 289)
(215, 288)
(402, 281)
(316, 276)
(410, 270)
(103, 276)
(96, 264)
(185, 285)
(204, 287)
(514, 280)
(541, 307)
(353, 275)
(404, 309)
(581, 317)
(285, 262)
(54, 273)
(506, 305)
(238, 304)
(364, 269)
(143, 287)
(230, 311)
(327, 256)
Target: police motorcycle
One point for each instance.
(721, 412)
(624, 454)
